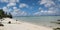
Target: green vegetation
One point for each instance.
(56, 28)
(4, 15)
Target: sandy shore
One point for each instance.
(17, 25)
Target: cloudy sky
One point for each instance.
(31, 7)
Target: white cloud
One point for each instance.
(5, 9)
(52, 8)
(47, 12)
(10, 1)
(13, 0)
(4, 1)
(47, 3)
(42, 12)
(50, 11)
(37, 14)
(40, 8)
(15, 12)
(58, 0)
(22, 5)
(23, 13)
(18, 12)
(55, 9)
(14, 8)
(11, 4)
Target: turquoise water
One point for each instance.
(41, 20)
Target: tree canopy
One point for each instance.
(4, 15)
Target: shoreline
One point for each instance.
(34, 23)
(19, 25)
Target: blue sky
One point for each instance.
(31, 7)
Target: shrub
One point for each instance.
(56, 29)
(1, 24)
(9, 22)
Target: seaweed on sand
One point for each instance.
(1, 24)
(56, 28)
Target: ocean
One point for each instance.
(40, 20)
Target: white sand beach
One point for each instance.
(17, 25)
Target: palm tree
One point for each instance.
(3, 15)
